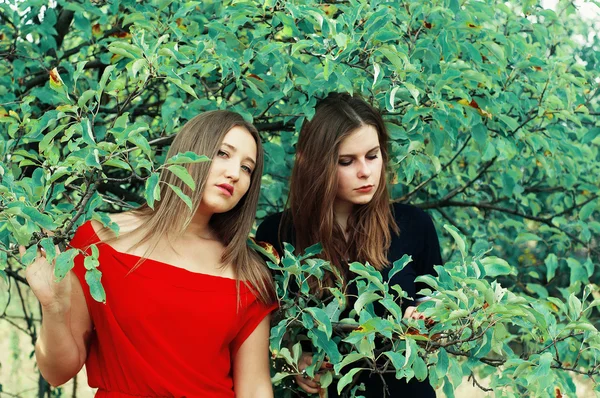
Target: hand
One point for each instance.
(308, 384)
(54, 296)
(411, 312)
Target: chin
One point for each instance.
(216, 206)
(363, 200)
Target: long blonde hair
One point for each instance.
(204, 135)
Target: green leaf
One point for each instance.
(509, 121)
(586, 211)
(322, 319)
(399, 265)
(182, 196)
(89, 262)
(578, 273)
(287, 355)
(575, 307)
(527, 237)
(279, 376)
(87, 133)
(348, 359)
(551, 266)
(420, 368)
(114, 162)
(496, 50)
(85, 97)
(50, 248)
(43, 220)
(138, 65)
(183, 175)
(125, 49)
(457, 314)
(321, 341)
(45, 142)
(311, 251)
(442, 365)
(92, 277)
(187, 157)
(64, 263)
(152, 189)
(448, 388)
(369, 273)
(346, 379)
(30, 255)
(397, 359)
(184, 86)
(495, 266)
(543, 369)
(457, 238)
(277, 333)
(326, 379)
(105, 76)
(364, 299)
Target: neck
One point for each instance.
(200, 226)
(341, 212)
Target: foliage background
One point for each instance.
(492, 107)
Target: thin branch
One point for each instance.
(406, 197)
(458, 190)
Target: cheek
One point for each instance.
(244, 185)
(344, 179)
(377, 168)
(215, 168)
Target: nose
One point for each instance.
(232, 171)
(364, 171)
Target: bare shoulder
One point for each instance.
(126, 221)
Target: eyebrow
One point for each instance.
(232, 148)
(352, 155)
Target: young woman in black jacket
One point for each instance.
(339, 197)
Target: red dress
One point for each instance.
(164, 331)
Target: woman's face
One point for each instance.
(230, 172)
(359, 166)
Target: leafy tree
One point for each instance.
(492, 107)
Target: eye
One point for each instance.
(247, 169)
(344, 162)
(222, 154)
(372, 157)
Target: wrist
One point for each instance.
(54, 310)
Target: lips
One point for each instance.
(226, 188)
(365, 188)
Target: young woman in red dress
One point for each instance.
(187, 301)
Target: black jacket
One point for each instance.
(417, 238)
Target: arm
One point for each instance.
(428, 258)
(251, 366)
(61, 349)
(430, 255)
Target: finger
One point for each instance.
(306, 360)
(22, 250)
(307, 385)
(326, 365)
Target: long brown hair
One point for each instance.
(204, 135)
(313, 188)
